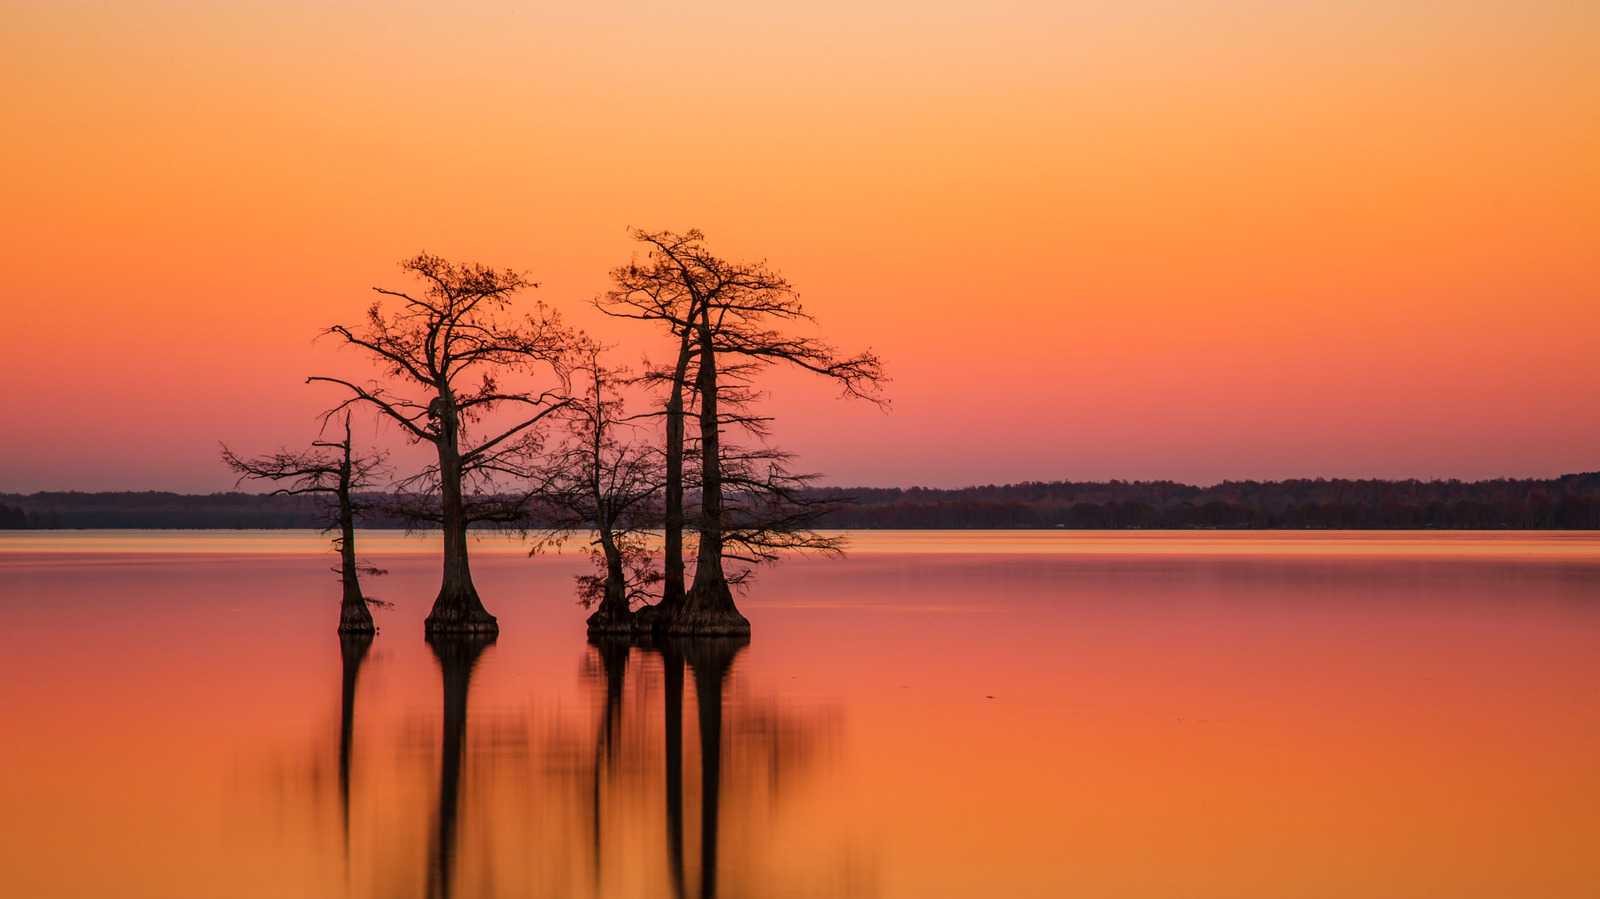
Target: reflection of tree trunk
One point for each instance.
(353, 648)
(708, 608)
(710, 658)
(457, 654)
(614, 666)
(458, 608)
(672, 669)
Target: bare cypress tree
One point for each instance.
(670, 285)
(443, 353)
(328, 467)
(725, 316)
(601, 481)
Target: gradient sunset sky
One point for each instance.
(1092, 239)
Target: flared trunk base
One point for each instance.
(459, 611)
(452, 625)
(355, 617)
(610, 619)
(718, 623)
(708, 611)
(684, 620)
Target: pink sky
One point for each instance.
(1090, 240)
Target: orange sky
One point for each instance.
(1091, 240)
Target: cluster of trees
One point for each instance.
(1571, 502)
(1568, 502)
(1272, 494)
(530, 429)
(16, 518)
(1537, 511)
(153, 509)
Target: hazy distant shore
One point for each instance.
(1570, 502)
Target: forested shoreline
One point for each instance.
(1570, 502)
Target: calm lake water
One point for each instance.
(1205, 714)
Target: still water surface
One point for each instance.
(942, 714)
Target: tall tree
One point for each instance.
(726, 317)
(443, 353)
(329, 467)
(669, 285)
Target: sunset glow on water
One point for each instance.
(940, 714)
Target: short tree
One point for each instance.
(328, 468)
(443, 353)
(603, 480)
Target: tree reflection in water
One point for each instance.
(353, 648)
(546, 799)
(457, 654)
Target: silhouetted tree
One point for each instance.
(725, 317)
(600, 481)
(329, 467)
(670, 285)
(443, 353)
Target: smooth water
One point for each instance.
(1207, 714)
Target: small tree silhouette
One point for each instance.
(603, 479)
(330, 468)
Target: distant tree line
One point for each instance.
(1571, 502)
(158, 510)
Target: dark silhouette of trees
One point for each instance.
(443, 353)
(1570, 502)
(13, 518)
(601, 480)
(726, 318)
(330, 468)
(670, 285)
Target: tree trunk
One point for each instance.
(672, 551)
(354, 616)
(458, 609)
(613, 615)
(708, 607)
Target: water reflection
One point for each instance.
(608, 795)
(710, 659)
(353, 649)
(457, 655)
(1163, 724)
